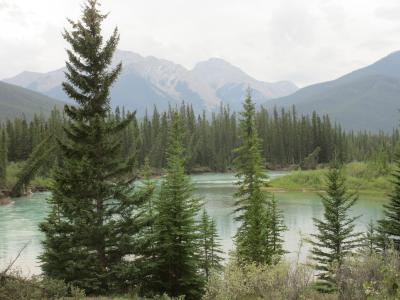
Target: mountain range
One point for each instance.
(365, 99)
(148, 81)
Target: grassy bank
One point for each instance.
(13, 170)
(362, 177)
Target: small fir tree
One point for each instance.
(211, 253)
(335, 237)
(3, 159)
(372, 239)
(389, 227)
(177, 259)
(277, 227)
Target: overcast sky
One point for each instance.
(303, 41)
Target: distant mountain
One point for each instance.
(17, 101)
(368, 98)
(230, 83)
(149, 81)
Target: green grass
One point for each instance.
(12, 174)
(361, 176)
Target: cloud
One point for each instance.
(303, 41)
(390, 12)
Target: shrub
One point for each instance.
(280, 281)
(361, 277)
(15, 286)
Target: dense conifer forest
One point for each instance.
(287, 140)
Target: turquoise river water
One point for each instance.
(19, 221)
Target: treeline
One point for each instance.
(287, 139)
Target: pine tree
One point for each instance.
(335, 238)
(252, 237)
(143, 267)
(277, 227)
(389, 227)
(3, 158)
(211, 252)
(372, 239)
(92, 224)
(177, 258)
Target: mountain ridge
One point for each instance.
(16, 101)
(147, 80)
(367, 98)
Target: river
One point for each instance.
(19, 221)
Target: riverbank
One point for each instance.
(362, 177)
(5, 200)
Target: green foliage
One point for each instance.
(211, 253)
(177, 258)
(335, 238)
(94, 216)
(389, 227)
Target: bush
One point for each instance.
(361, 277)
(281, 281)
(370, 276)
(15, 286)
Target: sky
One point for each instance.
(304, 41)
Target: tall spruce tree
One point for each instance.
(389, 227)
(3, 158)
(253, 236)
(211, 253)
(91, 226)
(335, 238)
(177, 260)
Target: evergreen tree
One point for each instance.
(211, 252)
(3, 158)
(335, 237)
(389, 227)
(142, 267)
(177, 261)
(372, 239)
(277, 227)
(91, 226)
(253, 235)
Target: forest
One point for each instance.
(113, 232)
(288, 141)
